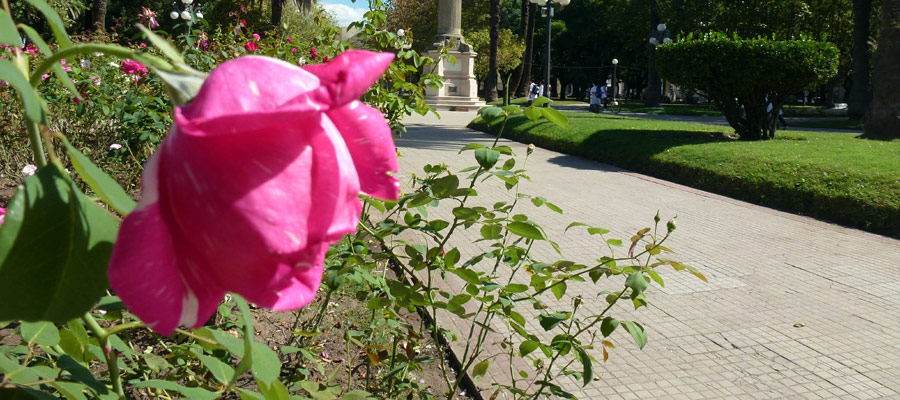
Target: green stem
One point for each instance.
(37, 145)
(112, 359)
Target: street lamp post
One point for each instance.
(549, 9)
(615, 63)
(187, 13)
(658, 35)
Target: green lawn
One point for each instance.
(829, 123)
(833, 176)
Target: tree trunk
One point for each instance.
(490, 82)
(883, 118)
(529, 52)
(860, 89)
(653, 93)
(524, 22)
(277, 11)
(100, 15)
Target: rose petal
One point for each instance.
(368, 138)
(351, 73)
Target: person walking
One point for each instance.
(540, 91)
(533, 92)
(603, 97)
(595, 99)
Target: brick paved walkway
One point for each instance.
(734, 337)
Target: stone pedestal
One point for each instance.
(460, 90)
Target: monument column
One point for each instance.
(460, 90)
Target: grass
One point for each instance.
(829, 123)
(832, 176)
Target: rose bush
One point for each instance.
(259, 174)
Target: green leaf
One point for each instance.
(60, 73)
(277, 391)
(163, 45)
(356, 395)
(559, 290)
(452, 257)
(71, 391)
(614, 242)
(30, 99)
(444, 186)
(266, 365)
(80, 373)
(246, 362)
(555, 117)
(480, 369)
(608, 325)
(105, 186)
(181, 88)
(550, 321)
(487, 158)
(471, 146)
(54, 250)
(588, 374)
(191, 393)
(516, 288)
(540, 101)
(527, 347)
(656, 278)
(532, 113)
(221, 371)
(8, 33)
(491, 232)
(637, 283)
(490, 114)
(56, 23)
(43, 333)
(526, 230)
(637, 332)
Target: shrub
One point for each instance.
(745, 76)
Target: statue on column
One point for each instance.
(460, 90)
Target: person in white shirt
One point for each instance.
(595, 98)
(533, 92)
(603, 97)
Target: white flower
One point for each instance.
(199, 14)
(29, 170)
(173, 14)
(98, 54)
(113, 64)
(401, 32)
(85, 63)
(301, 61)
(115, 146)
(185, 15)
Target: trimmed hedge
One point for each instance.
(744, 76)
(830, 176)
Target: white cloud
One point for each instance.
(345, 14)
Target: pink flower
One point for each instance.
(313, 53)
(148, 15)
(44, 77)
(256, 36)
(289, 39)
(257, 177)
(324, 58)
(64, 66)
(243, 23)
(294, 50)
(251, 46)
(131, 67)
(143, 45)
(2, 215)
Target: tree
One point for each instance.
(524, 23)
(278, 9)
(529, 52)
(490, 81)
(418, 18)
(883, 118)
(748, 79)
(651, 99)
(99, 12)
(509, 52)
(860, 91)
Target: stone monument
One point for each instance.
(460, 90)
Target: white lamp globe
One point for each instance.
(199, 14)
(563, 2)
(615, 61)
(661, 27)
(173, 14)
(667, 40)
(187, 1)
(185, 15)
(653, 41)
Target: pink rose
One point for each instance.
(257, 177)
(251, 46)
(2, 215)
(132, 67)
(313, 53)
(294, 50)
(255, 36)
(325, 59)
(289, 39)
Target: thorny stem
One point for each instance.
(112, 357)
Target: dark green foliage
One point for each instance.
(744, 76)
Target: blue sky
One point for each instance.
(346, 11)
